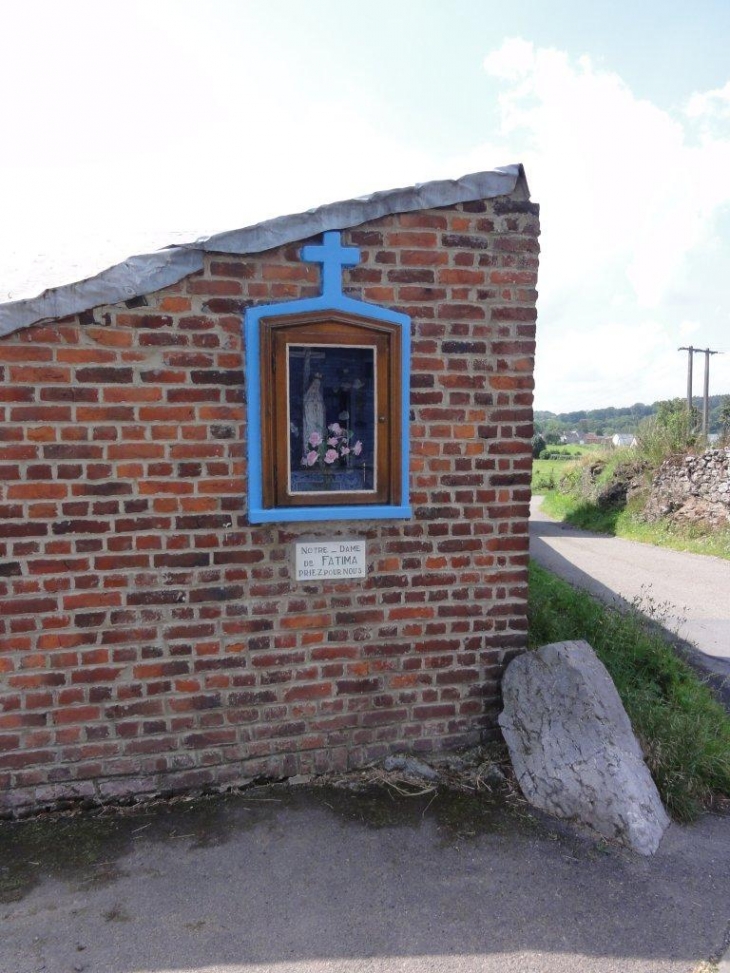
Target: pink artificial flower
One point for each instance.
(332, 441)
(330, 456)
(357, 448)
(311, 457)
(336, 428)
(345, 450)
(315, 439)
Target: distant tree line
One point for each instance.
(605, 422)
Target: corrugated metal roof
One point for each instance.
(145, 273)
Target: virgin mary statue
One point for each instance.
(313, 419)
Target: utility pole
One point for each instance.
(691, 351)
(690, 359)
(706, 403)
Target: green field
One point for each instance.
(547, 472)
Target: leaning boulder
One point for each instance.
(572, 746)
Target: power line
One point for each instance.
(691, 351)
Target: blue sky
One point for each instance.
(128, 126)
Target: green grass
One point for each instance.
(581, 513)
(627, 523)
(569, 449)
(546, 474)
(685, 733)
(572, 491)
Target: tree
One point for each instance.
(725, 419)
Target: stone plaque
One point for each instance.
(319, 560)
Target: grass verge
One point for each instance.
(684, 732)
(626, 522)
(546, 474)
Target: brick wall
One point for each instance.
(151, 639)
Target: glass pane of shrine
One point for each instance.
(331, 409)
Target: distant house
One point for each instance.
(623, 439)
(571, 438)
(591, 439)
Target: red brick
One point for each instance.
(24, 353)
(306, 621)
(174, 625)
(175, 304)
(410, 238)
(76, 714)
(423, 258)
(38, 374)
(125, 393)
(316, 690)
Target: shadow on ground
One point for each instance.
(312, 879)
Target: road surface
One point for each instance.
(692, 590)
(330, 881)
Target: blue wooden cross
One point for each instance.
(333, 257)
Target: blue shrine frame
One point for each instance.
(333, 257)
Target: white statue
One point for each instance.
(313, 419)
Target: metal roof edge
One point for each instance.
(129, 279)
(145, 273)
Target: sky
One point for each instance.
(127, 126)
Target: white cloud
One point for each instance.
(174, 127)
(607, 364)
(708, 104)
(687, 329)
(171, 132)
(630, 198)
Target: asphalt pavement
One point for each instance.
(316, 880)
(688, 593)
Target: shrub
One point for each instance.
(543, 479)
(552, 453)
(671, 431)
(538, 445)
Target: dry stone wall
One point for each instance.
(695, 489)
(151, 638)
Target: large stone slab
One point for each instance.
(572, 746)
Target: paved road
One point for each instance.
(326, 882)
(694, 588)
